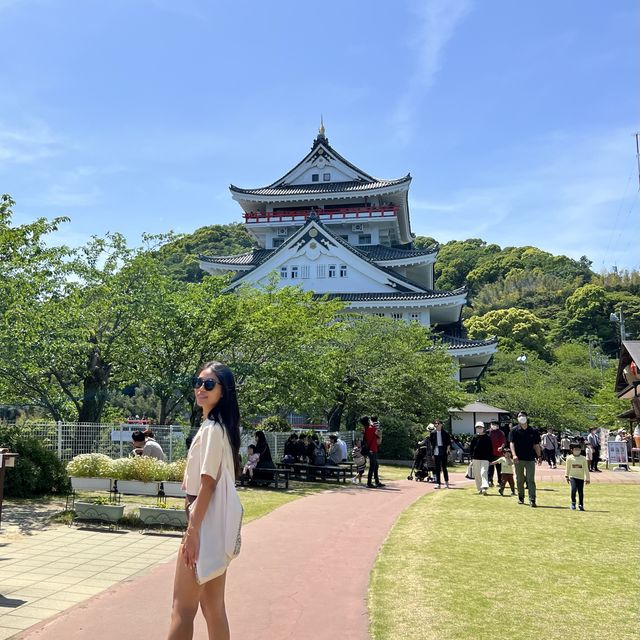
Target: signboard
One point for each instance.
(617, 452)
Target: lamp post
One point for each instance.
(618, 318)
(523, 360)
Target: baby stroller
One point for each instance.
(423, 463)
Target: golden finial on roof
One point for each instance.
(321, 129)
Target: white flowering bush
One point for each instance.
(175, 470)
(90, 465)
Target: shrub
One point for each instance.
(38, 471)
(143, 468)
(399, 439)
(275, 424)
(90, 465)
(176, 470)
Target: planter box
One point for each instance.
(137, 488)
(91, 511)
(173, 489)
(90, 484)
(169, 517)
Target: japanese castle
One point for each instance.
(331, 228)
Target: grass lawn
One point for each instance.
(458, 566)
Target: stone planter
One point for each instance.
(136, 487)
(173, 489)
(167, 517)
(90, 484)
(92, 511)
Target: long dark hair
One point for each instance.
(227, 412)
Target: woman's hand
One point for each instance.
(190, 548)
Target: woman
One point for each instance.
(215, 446)
(481, 452)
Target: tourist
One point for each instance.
(565, 445)
(252, 461)
(144, 444)
(301, 448)
(577, 474)
(441, 444)
(594, 440)
(481, 452)
(371, 438)
(505, 461)
(588, 453)
(290, 454)
(549, 446)
(215, 448)
(343, 447)
(525, 448)
(334, 455)
(359, 460)
(263, 450)
(498, 441)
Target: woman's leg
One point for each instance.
(484, 473)
(213, 609)
(186, 597)
(476, 474)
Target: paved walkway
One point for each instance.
(305, 562)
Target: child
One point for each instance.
(252, 461)
(359, 460)
(506, 476)
(565, 446)
(577, 473)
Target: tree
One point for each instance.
(516, 328)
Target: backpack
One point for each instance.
(319, 455)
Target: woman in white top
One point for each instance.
(217, 443)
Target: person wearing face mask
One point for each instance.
(481, 452)
(577, 475)
(525, 448)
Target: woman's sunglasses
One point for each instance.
(208, 383)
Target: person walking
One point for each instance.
(549, 446)
(371, 439)
(481, 452)
(577, 474)
(565, 445)
(498, 440)
(594, 440)
(525, 449)
(214, 453)
(441, 445)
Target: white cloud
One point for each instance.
(576, 195)
(27, 143)
(437, 21)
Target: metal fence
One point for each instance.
(69, 439)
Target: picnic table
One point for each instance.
(310, 471)
(267, 476)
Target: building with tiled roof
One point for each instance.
(333, 229)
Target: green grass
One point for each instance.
(458, 566)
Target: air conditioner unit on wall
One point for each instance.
(357, 227)
(282, 231)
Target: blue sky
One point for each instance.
(515, 118)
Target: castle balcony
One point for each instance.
(327, 216)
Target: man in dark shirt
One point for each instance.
(525, 448)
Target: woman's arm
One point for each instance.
(191, 543)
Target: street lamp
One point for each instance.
(618, 318)
(523, 360)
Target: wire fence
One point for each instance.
(69, 439)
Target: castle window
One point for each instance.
(332, 270)
(364, 238)
(343, 270)
(321, 271)
(396, 316)
(326, 177)
(414, 317)
(276, 242)
(304, 271)
(315, 177)
(284, 272)
(294, 273)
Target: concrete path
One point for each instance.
(303, 573)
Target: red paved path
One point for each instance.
(305, 562)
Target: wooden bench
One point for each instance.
(268, 476)
(311, 471)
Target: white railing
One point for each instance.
(68, 439)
